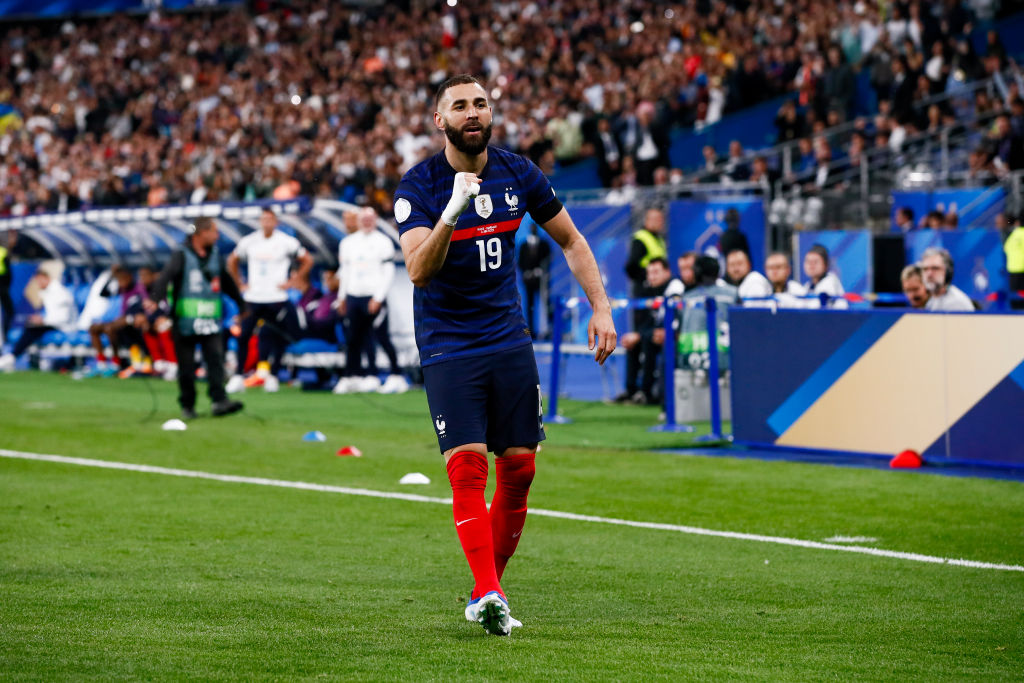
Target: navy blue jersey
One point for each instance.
(472, 306)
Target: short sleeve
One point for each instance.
(412, 210)
(541, 202)
(295, 248)
(242, 248)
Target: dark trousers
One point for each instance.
(6, 311)
(360, 337)
(382, 335)
(30, 336)
(642, 365)
(273, 339)
(212, 347)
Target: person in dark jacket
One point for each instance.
(198, 275)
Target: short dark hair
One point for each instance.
(202, 224)
(460, 79)
(663, 261)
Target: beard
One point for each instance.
(469, 147)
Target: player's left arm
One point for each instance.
(601, 336)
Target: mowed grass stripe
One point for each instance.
(324, 488)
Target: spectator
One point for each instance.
(749, 283)
(937, 267)
(736, 168)
(607, 150)
(58, 314)
(912, 279)
(905, 219)
(687, 263)
(786, 290)
(1008, 148)
(643, 344)
(789, 123)
(820, 280)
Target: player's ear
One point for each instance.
(438, 121)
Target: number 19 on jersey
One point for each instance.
(490, 254)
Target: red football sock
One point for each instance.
(508, 508)
(152, 345)
(167, 346)
(467, 472)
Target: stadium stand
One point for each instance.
(288, 99)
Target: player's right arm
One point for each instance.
(425, 249)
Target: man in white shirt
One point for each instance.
(937, 267)
(788, 292)
(269, 254)
(366, 267)
(59, 313)
(750, 283)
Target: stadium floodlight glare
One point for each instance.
(637, 27)
(296, 100)
(453, 3)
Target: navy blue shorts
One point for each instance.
(492, 399)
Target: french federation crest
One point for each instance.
(483, 205)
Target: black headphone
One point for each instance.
(947, 261)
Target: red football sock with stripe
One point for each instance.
(467, 472)
(508, 508)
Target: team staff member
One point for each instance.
(269, 254)
(366, 270)
(197, 273)
(457, 214)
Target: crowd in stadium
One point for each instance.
(318, 99)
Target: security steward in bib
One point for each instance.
(648, 243)
(1013, 247)
(197, 277)
(6, 303)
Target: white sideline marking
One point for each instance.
(852, 539)
(696, 531)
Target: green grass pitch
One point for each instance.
(115, 575)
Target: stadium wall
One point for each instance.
(949, 386)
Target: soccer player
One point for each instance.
(457, 214)
(269, 253)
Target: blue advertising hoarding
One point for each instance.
(975, 207)
(697, 225)
(979, 264)
(849, 256)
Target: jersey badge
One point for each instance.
(483, 205)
